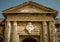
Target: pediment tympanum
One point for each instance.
(30, 10)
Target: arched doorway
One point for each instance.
(29, 40)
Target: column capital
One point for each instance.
(15, 22)
(44, 23)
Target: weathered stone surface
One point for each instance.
(41, 17)
(22, 28)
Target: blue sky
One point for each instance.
(4, 4)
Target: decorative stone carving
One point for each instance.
(29, 27)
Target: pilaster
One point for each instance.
(15, 36)
(45, 32)
(52, 30)
(7, 32)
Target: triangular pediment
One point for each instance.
(29, 7)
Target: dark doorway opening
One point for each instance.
(29, 40)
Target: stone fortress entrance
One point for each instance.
(30, 19)
(29, 40)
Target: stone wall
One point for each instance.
(22, 28)
(1, 33)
